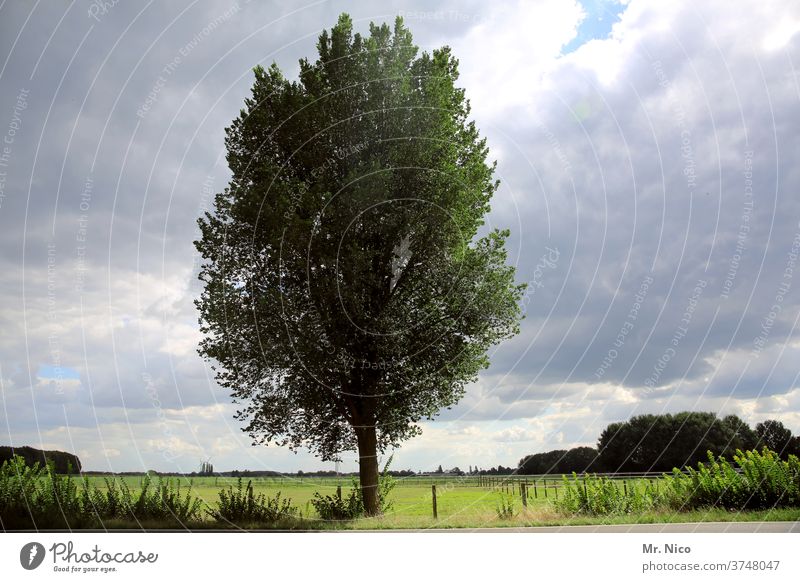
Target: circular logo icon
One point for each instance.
(31, 555)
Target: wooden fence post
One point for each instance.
(624, 487)
(545, 488)
(339, 492)
(535, 492)
(524, 490)
(433, 494)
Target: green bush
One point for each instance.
(762, 481)
(759, 480)
(163, 502)
(593, 495)
(33, 497)
(351, 506)
(241, 505)
(333, 507)
(37, 497)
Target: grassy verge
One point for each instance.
(537, 518)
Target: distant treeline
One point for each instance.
(661, 442)
(578, 460)
(245, 473)
(63, 462)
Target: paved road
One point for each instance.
(708, 527)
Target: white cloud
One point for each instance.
(505, 55)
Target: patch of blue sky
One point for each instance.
(597, 23)
(57, 372)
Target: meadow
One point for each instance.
(458, 499)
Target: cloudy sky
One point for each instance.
(648, 156)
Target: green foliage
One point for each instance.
(164, 501)
(505, 507)
(776, 437)
(386, 484)
(35, 497)
(593, 495)
(660, 442)
(334, 508)
(343, 261)
(351, 506)
(577, 460)
(243, 506)
(763, 481)
(63, 462)
(756, 480)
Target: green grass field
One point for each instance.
(410, 498)
(461, 503)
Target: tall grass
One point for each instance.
(756, 480)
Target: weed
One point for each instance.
(241, 505)
(505, 508)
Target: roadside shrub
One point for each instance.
(36, 497)
(18, 492)
(351, 506)
(162, 502)
(593, 495)
(241, 505)
(762, 481)
(755, 480)
(333, 507)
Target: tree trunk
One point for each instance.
(368, 468)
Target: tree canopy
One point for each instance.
(347, 293)
(62, 462)
(661, 442)
(775, 436)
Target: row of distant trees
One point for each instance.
(660, 442)
(62, 462)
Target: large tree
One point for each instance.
(347, 292)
